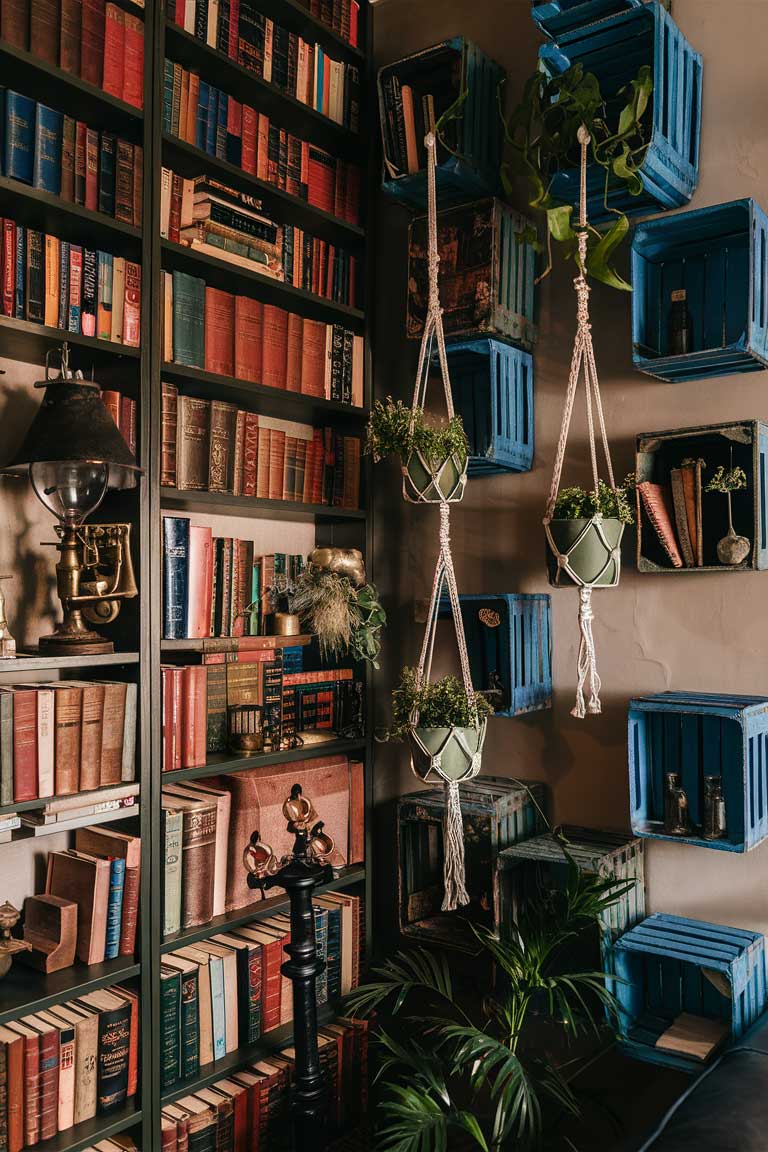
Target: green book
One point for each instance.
(172, 828)
(170, 1023)
(190, 1025)
(188, 320)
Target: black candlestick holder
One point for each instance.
(299, 873)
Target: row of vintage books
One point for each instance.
(64, 156)
(50, 281)
(236, 336)
(100, 43)
(124, 411)
(206, 823)
(66, 737)
(67, 1064)
(250, 1108)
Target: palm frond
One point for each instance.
(421, 1066)
(406, 972)
(415, 1122)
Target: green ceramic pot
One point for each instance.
(453, 759)
(445, 482)
(588, 558)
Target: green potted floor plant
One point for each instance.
(575, 532)
(433, 454)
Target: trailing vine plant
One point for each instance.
(541, 137)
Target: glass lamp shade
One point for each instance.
(69, 489)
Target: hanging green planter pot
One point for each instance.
(592, 548)
(447, 754)
(441, 483)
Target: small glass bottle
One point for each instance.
(714, 808)
(675, 806)
(680, 339)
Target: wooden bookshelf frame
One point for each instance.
(143, 370)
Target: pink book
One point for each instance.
(200, 581)
(194, 703)
(658, 506)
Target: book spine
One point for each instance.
(132, 305)
(217, 1007)
(175, 558)
(49, 1084)
(198, 848)
(113, 1057)
(35, 292)
(169, 1028)
(114, 909)
(90, 292)
(172, 872)
(47, 165)
(107, 174)
(31, 1089)
(130, 912)
(190, 1026)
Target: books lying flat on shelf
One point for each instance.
(695, 1036)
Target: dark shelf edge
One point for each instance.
(92, 797)
(26, 330)
(36, 663)
(67, 984)
(64, 208)
(91, 1131)
(258, 393)
(251, 506)
(42, 70)
(225, 765)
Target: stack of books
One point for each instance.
(237, 336)
(63, 156)
(250, 1108)
(122, 409)
(81, 1057)
(66, 737)
(70, 812)
(101, 44)
(50, 281)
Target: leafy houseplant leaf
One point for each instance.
(598, 259)
(559, 222)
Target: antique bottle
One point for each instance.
(714, 808)
(676, 822)
(679, 334)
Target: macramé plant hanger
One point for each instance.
(450, 755)
(588, 551)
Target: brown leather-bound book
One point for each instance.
(130, 912)
(70, 36)
(222, 446)
(49, 1075)
(192, 443)
(168, 418)
(687, 546)
(133, 1049)
(250, 453)
(219, 332)
(133, 69)
(262, 460)
(13, 1046)
(14, 25)
(84, 879)
(687, 473)
(249, 330)
(123, 179)
(168, 1133)
(31, 1086)
(313, 358)
(356, 812)
(276, 463)
(294, 355)
(91, 732)
(114, 50)
(223, 1110)
(113, 730)
(194, 719)
(24, 743)
(275, 347)
(138, 185)
(92, 54)
(351, 489)
(198, 860)
(238, 461)
(67, 736)
(657, 505)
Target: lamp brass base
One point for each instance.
(81, 644)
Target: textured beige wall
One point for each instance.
(703, 632)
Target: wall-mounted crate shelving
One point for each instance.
(496, 812)
(557, 17)
(697, 734)
(486, 273)
(668, 965)
(441, 73)
(492, 385)
(614, 50)
(719, 256)
(744, 445)
(509, 640)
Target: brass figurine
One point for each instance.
(9, 945)
(343, 561)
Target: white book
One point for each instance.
(129, 734)
(268, 31)
(118, 298)
(301, 72)
(334, 87)
(45, 769)
(213, 23)
(166, 182)
(189, 16)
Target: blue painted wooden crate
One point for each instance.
(509, 640)
(492, 385)
(444, 71)
(698, 735)
(668, 965)
(557, 17)
(719, 256)
(745, 445)
(614, 50)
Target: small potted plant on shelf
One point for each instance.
(440, 718)
(731, 549)
(574, 520)
(433, 455)
(338, 606)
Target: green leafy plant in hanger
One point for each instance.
(541, 134)
(577, 503)
(731, 549)
(396, 429)
(441, 704)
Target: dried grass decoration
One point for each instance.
(338, 606)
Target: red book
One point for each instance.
(351, 205)
(276, 464)
(112, 401)
(70, 36)
(262, 147)
(275, 351)
(133, 1043)
(200, 581)
(130, 912)
(133, 68)
(313, 358)
(295, 337)
(250, 453)
(354, 15)
(178, 13)
(272, 959)
(49, 1081)
(326, 90)
(252, 1085)
(321, 177)
(92, 169)
(248, 150)
(219, 332)
(171, 719)
(249, 330)
(194, 716)
(174, 215)
(234, 28)
(132, 305)
(235, 118)
(24, 743)
(14, 1066)
(9, 266)
(114, 50)
(128, 422)
(92, 53)
(31, 1092)
(14, 25)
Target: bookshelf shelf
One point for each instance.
(33, 662)
(246, 86)
(223, 503)
(262, 398)
(24, 340)
(256, 911)
(189, 161)
(230, 644)
(24, 990)
(233, 278)
(92, 797)
(38, 209)
(222, 764)
(99, 1128)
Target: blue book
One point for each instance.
(320, 58)
(216, 968)
(168, 97)
(21, 273)
(321, 940)
(63, 282)
(221, 126)
(114, 908)
(213, 120)
(203, 100)
(19, 153)
(49, 126)
(333, 954)
(175, 576)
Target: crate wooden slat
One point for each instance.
(745, 443)
(557, 17)
(614, 50)
(663, 965)
(492, 385)
(700, 734)
(474, 169)
(719, 255)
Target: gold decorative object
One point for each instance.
(7, 642)
(9, 946)
(343, 561)
(286, 624)
(246, 728)
(259, 859)
(488, 617)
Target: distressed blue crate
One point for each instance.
(743, 444)
(614, 50)
(557, 17)
(667, 965)
(509, 640)
(474, 169)
(719, 255)
(492, 385)
(698, 734)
